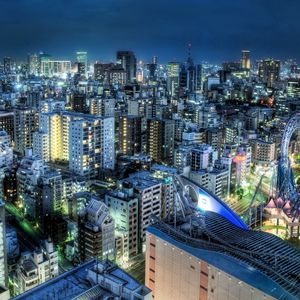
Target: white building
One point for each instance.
(149, 192)
(36, 267)
(123, 207)
(96, 232)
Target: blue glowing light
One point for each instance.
(208, 202)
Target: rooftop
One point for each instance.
(260, 259)
(80, 283)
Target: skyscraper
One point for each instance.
(173, 69)
(81, 57)
(33, 64)
(128, 61)
(269, 71)
(246, 62)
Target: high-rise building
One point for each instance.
(128, 61)
(173, 69)
(130, 135)
(149, 193)
(25, 124)
(102, 106)
(246, 62)
(91, 145)
(96, 232)
(82, 60)
(124, 208)
(52, 68)
(33, 64)
(85, 141)
(269, 71)
(7, 123)
(8, 65)
(3, 251)
(79, 103)
(160, 139)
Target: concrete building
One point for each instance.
(124, 208)
(160, 139)
(269, 71)
(96, 232)
(149, 193)
(130, 135)
(7, 123)
(263, 152)
(91, 280)
(215, 260)
(36, 268)
(25, 124)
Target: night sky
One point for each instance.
(217, 29)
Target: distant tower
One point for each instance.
(81, 59)
(246, 62)
(128, 61)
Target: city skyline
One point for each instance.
(217, 32)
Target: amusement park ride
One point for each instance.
(282, 208)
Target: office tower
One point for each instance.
(101, 72)
(7, 123)
(3, 252)
(8, 65)
(82, 61)
(148, 190)
(79, 103)
(246, 62)
(173, 69)
(124, 208)
(152, 71)
(269, 71)
(96, 232)
(110, 74)
(160, 139)
(33, 64)
(104, 107)
(81, 68)
(130, 135)
(91, 280)
(212, 255)
(53, 68)
(128, 61)
(25, 124)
